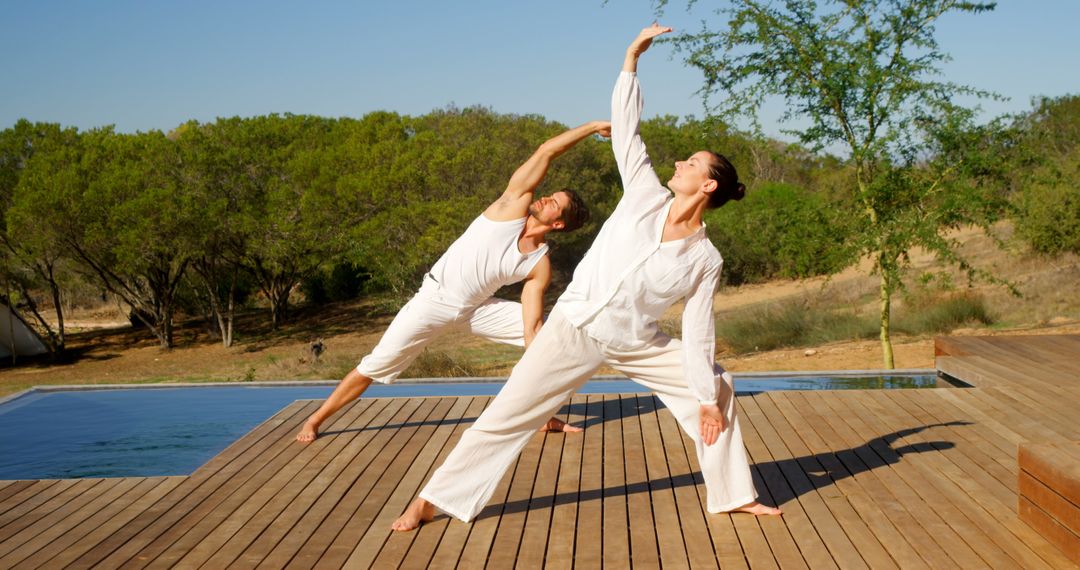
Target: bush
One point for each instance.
(943, 315)
(790, 324)
(1048, 209)
(439, 364)
(343, 282)
(778, 230)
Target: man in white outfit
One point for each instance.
(503, 245)
(651, 252)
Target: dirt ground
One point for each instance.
(106, 351)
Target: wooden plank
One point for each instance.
(257, 516)
(616, 537)
(757, 534)
(534, 537)
(1066, 513)
(198, 525)
(865, 541)
(394, 546)
(193, 492)
(104, 530)
(73, 494)
(368, 529)
(980, 443)
(972, 517)
(895, 550)
(564, 516)
(588, 545)
(88, 519)
(969, 474)
(644, 551)
(912, 516)
(29, 498)
(1053, 467)
(832, 535)
(895, 527)
(691, 511)
(669, 536)
(479, 535)
(918, 464)
(317, 523)
(295, 413)
(333, 542)
(433, 540)
(1066, 541)
(11, 493)
(721, 529)
(504, 548)
(55, 524)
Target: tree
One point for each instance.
(863, 75)
(30, 248)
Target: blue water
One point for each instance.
(172, 431)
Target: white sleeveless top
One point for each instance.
(483, 259)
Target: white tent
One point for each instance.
(16, 337)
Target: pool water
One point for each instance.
(141, 432)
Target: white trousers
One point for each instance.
(431, 313)
(558, 362)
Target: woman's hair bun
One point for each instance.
(739, 192)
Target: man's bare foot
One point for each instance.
(418, 513)
(555, 424)
(758, 509)
(308, 433)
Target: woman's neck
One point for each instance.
(684, 217)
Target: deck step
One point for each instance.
(1049, 492)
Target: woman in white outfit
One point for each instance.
(650, 253)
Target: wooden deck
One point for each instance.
(883, 479)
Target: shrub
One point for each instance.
(942, 315)
(789, 324)
(439, 364)
(778, 230)
(1048, 209)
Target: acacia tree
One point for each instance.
(30, 247)
(864, 75)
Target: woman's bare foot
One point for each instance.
(555, 424)
(308, 433)
(758, 509)
(418, 513)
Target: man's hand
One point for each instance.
(713, 423)
(603, 128)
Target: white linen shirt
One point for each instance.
(628, 278)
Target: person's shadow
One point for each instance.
(777, 481)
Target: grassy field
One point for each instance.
(816, 324)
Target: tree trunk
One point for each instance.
(886, 307)
(55, 287)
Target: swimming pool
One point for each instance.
(153, 431)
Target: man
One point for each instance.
(504, 245)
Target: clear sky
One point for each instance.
(149, 64)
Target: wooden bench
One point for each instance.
(1050, 492)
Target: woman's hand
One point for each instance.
(640, 44)
(603, 128)
(645, 38)
(713, 423)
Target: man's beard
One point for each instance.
(534, 210)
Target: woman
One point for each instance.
(650, 253)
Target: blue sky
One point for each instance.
(144, 65)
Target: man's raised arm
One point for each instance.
(528, 175)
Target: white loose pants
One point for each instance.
(431, 313)
(559, 361)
